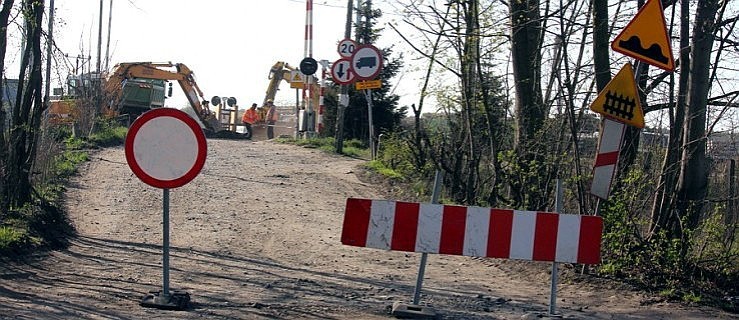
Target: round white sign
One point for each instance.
(366, 62)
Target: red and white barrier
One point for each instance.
(606, 160)
(472, 231)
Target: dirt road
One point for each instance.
(257, 236)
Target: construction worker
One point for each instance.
(272, 117)
(249, 118)
(206, 108)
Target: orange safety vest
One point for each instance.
(250, 116)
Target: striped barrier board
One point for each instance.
(472, 231)
(606, 160)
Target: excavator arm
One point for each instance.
(276, 75)
(163, 71)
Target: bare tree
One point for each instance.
(25, 122)
(4, 19)
(692, 183)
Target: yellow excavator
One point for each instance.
(276, 74)
(130, 71)
(282, 71)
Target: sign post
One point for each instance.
(165, 148)
(400, 309)
(367, 64)
(645, 38)
(619, 103)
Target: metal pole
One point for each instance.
(297, 113)
(424, 256)
(308, 96)
(553, 289)
(368, 96)
(49, 45)
(344, 95)
(100, 35)
(729, 218)
(107, 46)
(165, 243)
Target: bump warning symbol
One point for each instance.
(619, 99)
(645, 37)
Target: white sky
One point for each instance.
(229, 44)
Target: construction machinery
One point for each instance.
(282, 71)
(134, 72)
(279, 71)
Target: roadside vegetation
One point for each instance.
(42, 223)
(512, 117)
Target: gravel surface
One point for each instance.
(257, 236)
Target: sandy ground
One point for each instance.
(257, 236)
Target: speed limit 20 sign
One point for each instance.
(346, 48)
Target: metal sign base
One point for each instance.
(175, 300)
(413, 311)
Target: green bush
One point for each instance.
(11, 238)
(380, 168)
(111, 136)
(396, 155)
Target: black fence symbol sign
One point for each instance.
(619, 106)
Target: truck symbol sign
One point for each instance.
(369, 62)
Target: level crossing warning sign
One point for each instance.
(645, 37)
(619, 99)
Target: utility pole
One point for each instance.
(100, 36)
(107, 46)
(344, 95)
(49, 45)
(368, 92)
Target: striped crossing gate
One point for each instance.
(472, 231)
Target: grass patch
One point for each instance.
(11, 238)
(111, 136)
(380, 168)
(352, 148)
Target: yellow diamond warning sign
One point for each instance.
(296, 76)
(619, 100)
(645, 37)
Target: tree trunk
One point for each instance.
(471, 85)
(25, 123)
(601, 48)
(663, 206)
(530, 110)
(4, 16)
(693, 181)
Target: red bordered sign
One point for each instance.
(341, 71)
(366, 62)
(165, 148)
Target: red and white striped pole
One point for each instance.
(308, 28)
(606, 160)
(308, 96)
